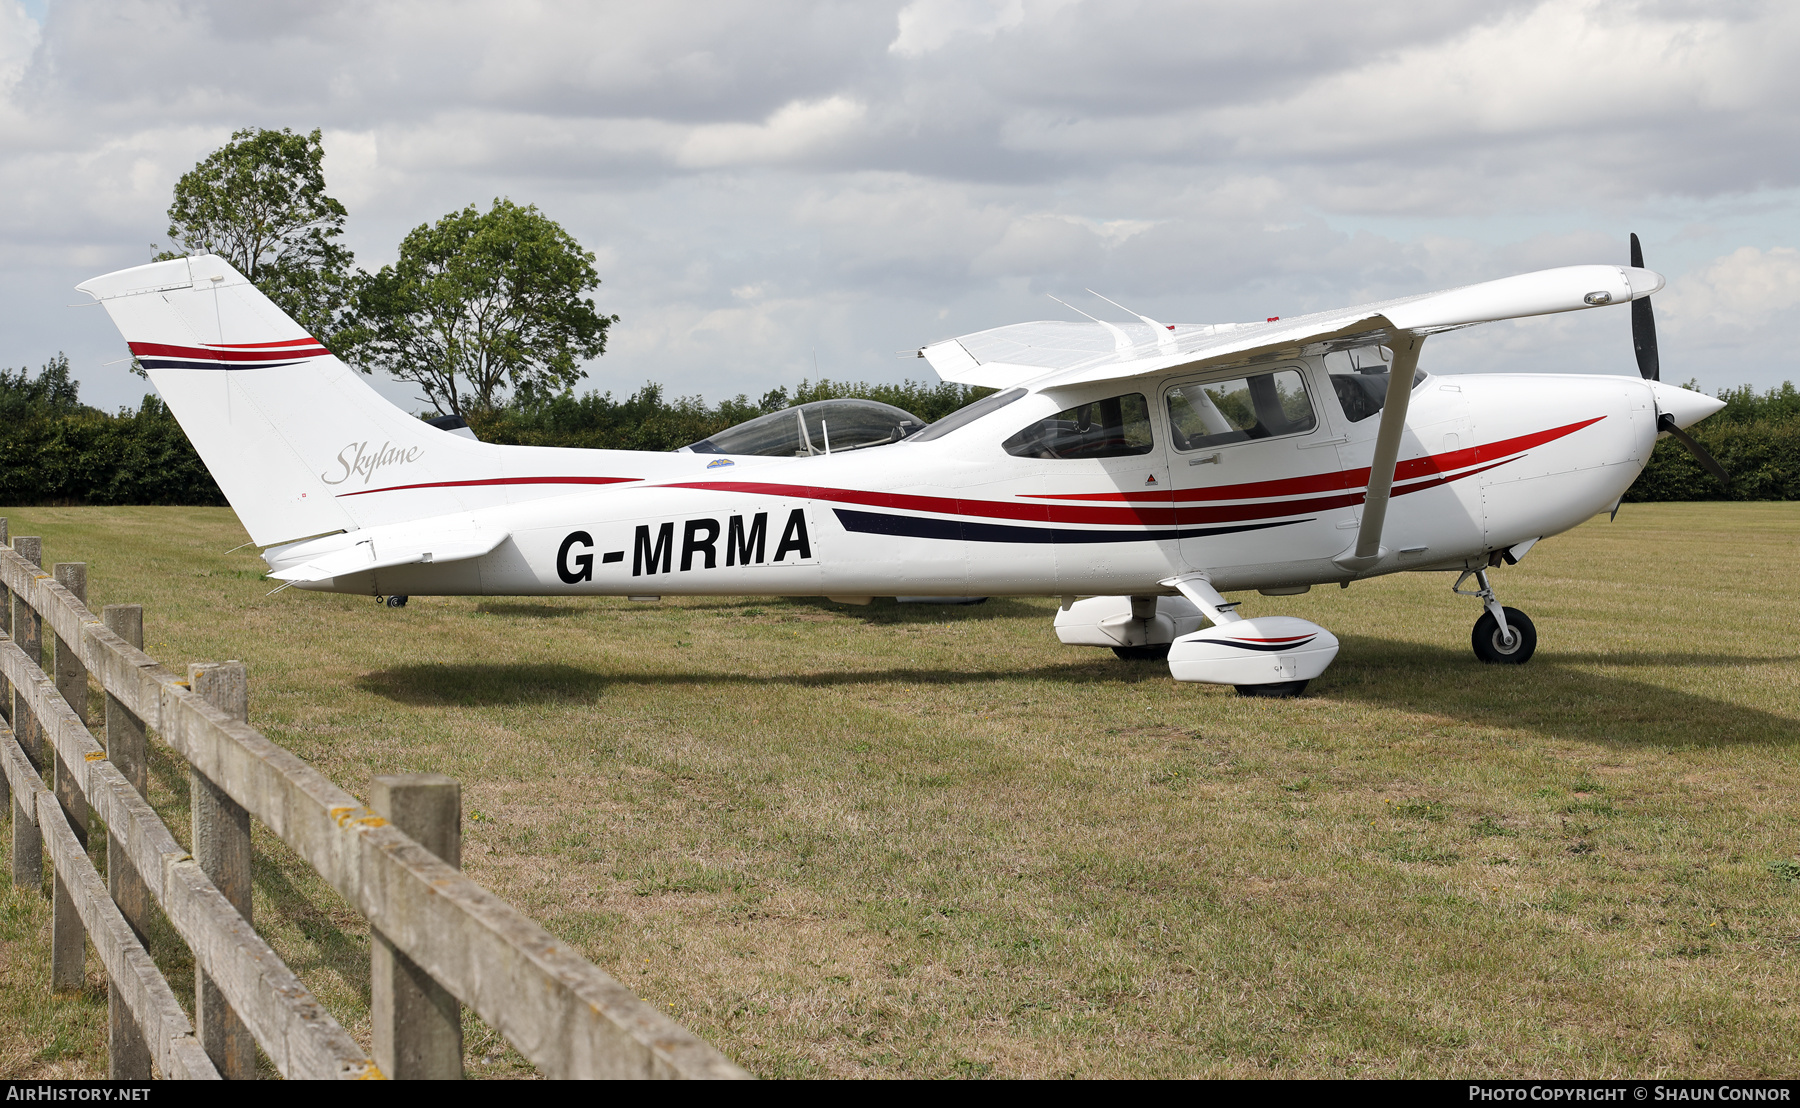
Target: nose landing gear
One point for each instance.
(1502, 636)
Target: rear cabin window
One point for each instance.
(1238, 409)
(1117, 427)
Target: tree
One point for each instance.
(51, 393)
(259, 202)
(480, 302)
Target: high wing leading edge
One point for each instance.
(1050, 354)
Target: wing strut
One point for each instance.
(1368, 549)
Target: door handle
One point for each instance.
(1202, 461)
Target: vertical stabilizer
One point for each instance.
(296, 439)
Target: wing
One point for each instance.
(1055, 354)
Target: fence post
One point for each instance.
(222, 847)
(5, 628)
(28, 633)
(27, 840)
(128, 1055)
(27, 848)
(68, 939)
(417, 1023)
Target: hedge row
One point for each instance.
(56, 450)
(645, 421)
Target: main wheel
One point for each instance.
(1492, 647)
(1280, 690)
(1156, 652)
(396, 601)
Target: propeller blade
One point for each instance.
(1643, 326)
(1706, 460)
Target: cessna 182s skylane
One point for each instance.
(1145, 467)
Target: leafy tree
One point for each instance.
(50, 393)
(259, 202)
(481, 302)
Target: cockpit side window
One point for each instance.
(1238, 409)
(1364, 393)
(1117, 427)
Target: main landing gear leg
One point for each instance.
(1502, 636)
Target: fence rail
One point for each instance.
(431, 926)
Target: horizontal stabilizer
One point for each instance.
(381, 552)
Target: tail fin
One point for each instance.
(294, 437)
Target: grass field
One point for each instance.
(932, 842)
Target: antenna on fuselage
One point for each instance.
(1165, 337)
(1122, 343)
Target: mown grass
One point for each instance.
(912, 841)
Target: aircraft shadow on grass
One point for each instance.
(504, 684)
(1555, 695)
(527, 610)
(884, 610)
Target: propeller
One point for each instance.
(1643, 341)
(1643, 324)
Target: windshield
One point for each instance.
(968, 414)
(821, 427)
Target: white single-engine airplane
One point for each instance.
(1145, 467)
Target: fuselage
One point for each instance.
(1486, 462)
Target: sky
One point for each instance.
(789, 189)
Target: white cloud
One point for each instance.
(19, 38)
(353, 165)
(1746, 290)
(792, 132)
(928, 25)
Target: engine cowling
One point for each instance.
(1266, 650)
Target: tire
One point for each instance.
(396, 601)
(1491, 649)
(1279, 690)
(1157, 652)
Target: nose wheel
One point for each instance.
(1511, 647)
(1502, 636)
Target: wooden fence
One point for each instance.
(438, 941)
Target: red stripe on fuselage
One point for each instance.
(1340, 479)
(1123, 516)
(496, 481)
